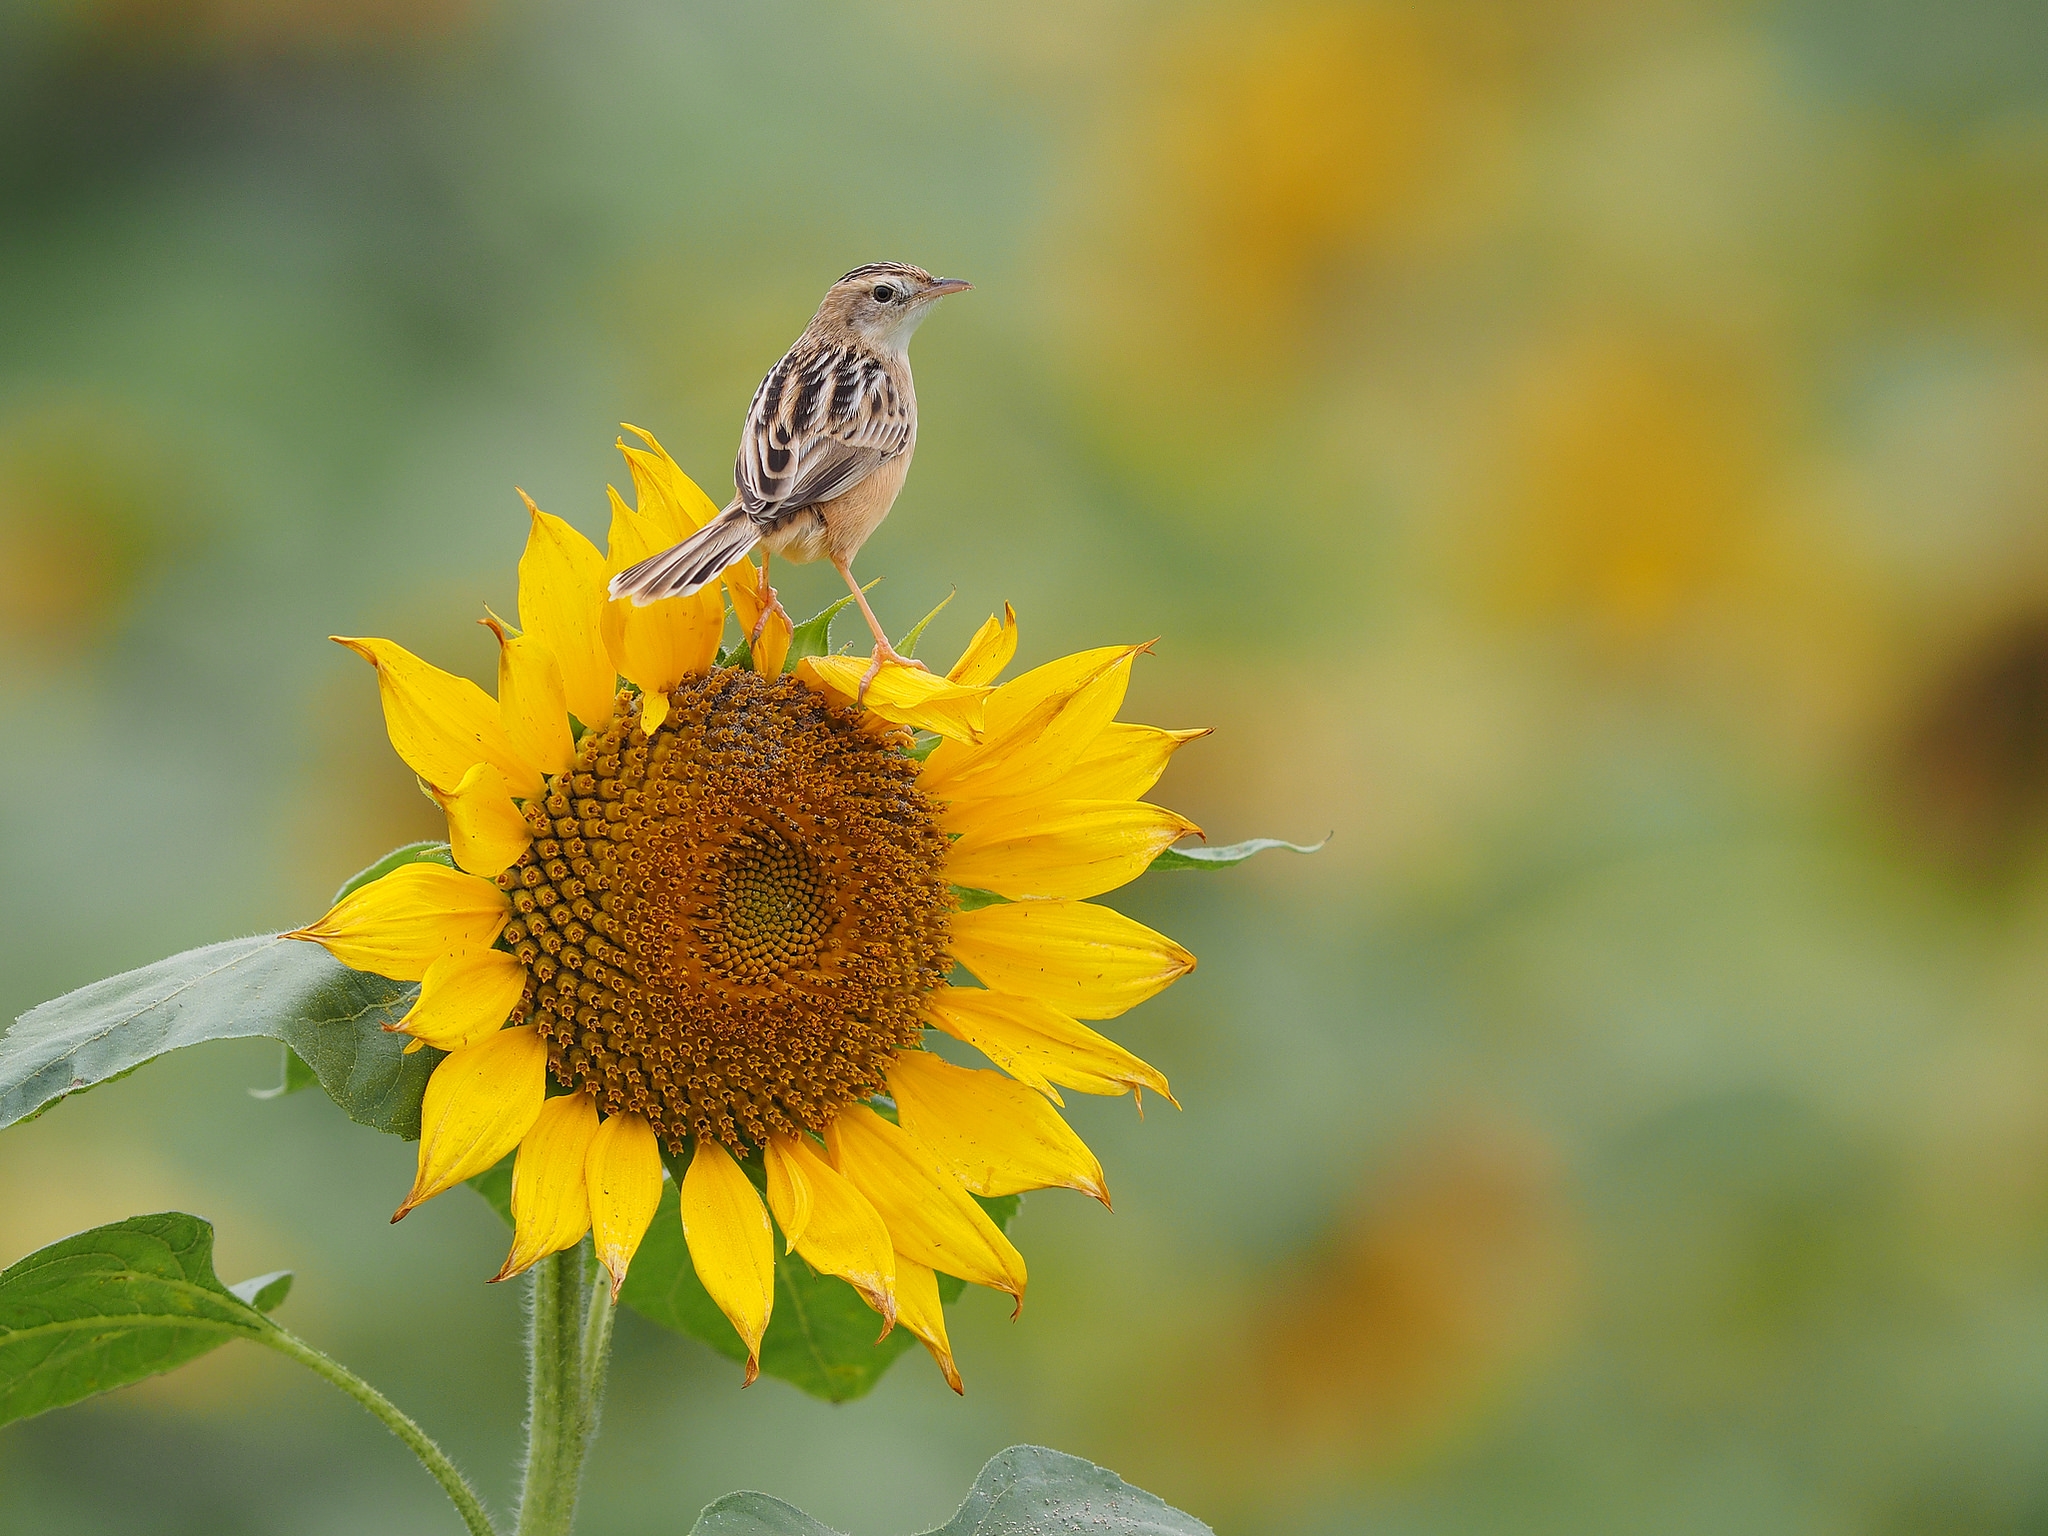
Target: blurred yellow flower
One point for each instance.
(1636, 471)
(1233, 194)
(718, 913)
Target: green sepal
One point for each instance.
(1028, 1490)
(411, 853)
(907, 646)
(968, 899)
(114, 1305)
(813, 637)
(1226, 857)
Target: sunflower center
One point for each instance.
(770, 911)
(732, 924)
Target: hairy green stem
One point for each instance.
(431, 1456)
(567, 1348)
(597, 1349)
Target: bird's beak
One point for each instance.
(944, 285)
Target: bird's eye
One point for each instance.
(884, 294)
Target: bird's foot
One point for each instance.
(772, 604)
(885, 653)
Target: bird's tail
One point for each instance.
(682, 568)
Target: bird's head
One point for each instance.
(879, 305)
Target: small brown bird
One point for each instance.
(827, 443)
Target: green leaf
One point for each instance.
(266, 1293)
(1223, 858)
(411, 853)
(288, 989)
(495, 1185)
(1026, 1491)
(117, 1304)
(294, 1075)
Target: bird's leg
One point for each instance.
(884, 651)
(770, 603)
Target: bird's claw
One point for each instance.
(884, 653)
(773, 604)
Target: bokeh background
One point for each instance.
(1592, 456)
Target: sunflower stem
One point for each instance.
(566, 1349)
(597, 1346)
(431, 1456)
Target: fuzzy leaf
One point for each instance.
(1225, 857)
(114, 1305)
(294, 1075)
(1026, 1491)
(288, 989)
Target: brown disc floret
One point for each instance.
(730, 925)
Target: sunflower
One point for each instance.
(710, 910)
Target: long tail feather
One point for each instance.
(683, 568)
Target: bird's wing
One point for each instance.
(820, 424)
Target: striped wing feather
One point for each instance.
(821, 422)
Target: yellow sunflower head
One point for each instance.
(713, 909)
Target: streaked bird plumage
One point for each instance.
(827, 443)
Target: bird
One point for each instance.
(826, 446)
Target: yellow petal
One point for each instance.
(479, 1104)
(837, 1231)
(918, 1309)
(401, 923)
(1037, 1044)
(995, 1136)
(904, 695)
(1037, 847)
(730, 1244)
(623, 1172)
(1123, 762)
(1085, 960)
(561, 593)
(930, 1217)
(440, 723)
(464, 998)
(657, 646)
(550, 1200)
(789, 1191)
(743, 585)
(486, 831)
(533, 703)
(989, 651)
(1038, 727)
(668, 498)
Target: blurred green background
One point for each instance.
(1593, 456)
